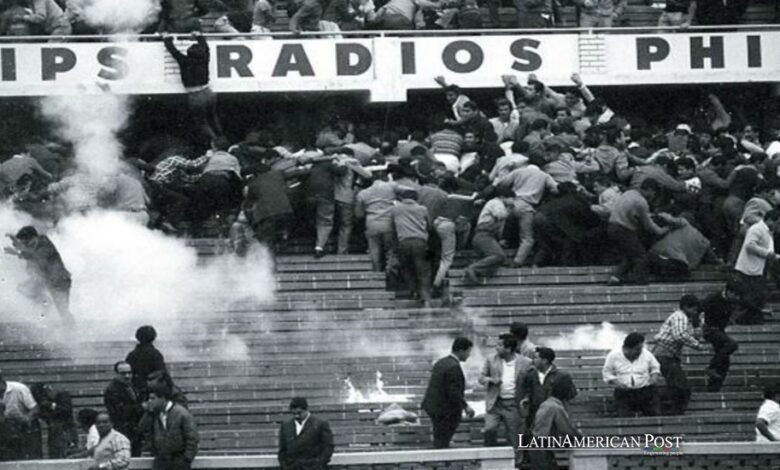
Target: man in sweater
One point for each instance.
(530, 184)
(410, 223)
(630, 214)
(219, 189)
(174, 438)
(194, 71)
(676, 332)
(487, 236)
(757, 249)
(375, 204)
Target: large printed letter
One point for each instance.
(233, 57)
(344, 54)
(649, 50)
(56, 60)
(292, 58)
(114, 65)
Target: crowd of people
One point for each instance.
(144, 410)
(526, 397)
(558, 174)
(68, 17)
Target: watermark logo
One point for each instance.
(649, 444)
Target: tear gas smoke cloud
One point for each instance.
(604, 336)
(125, 275)
(117, 16)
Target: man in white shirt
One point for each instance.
(21, 411)
(768, 419)
(758, 247)
(634, 372)
(501, 375)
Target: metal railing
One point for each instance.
(410, 33)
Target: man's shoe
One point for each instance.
(714, 381)
(470, 277)
(318, 253)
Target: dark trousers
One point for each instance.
(172, 204)
(170, 464)
(215, 192)
(678, 391)
(269, 229)
(23, 441)
(750, 310)
(631, 251)
(665, 267)
(444, 428)
(645, 400)
(203, 106)
(542, 460)
(415, 267)
(486, 246)
(553, 246)
(724, 347)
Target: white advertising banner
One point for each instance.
(388, 67)
(385, 66)
(691, 58)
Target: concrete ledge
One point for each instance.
(492, 458)
(597, 459)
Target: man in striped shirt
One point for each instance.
(675, 333)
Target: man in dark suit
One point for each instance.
(444, 399)
(124, 406)
(537, 383)
(174, 439)
(305, 442)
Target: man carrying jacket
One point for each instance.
(501, 375)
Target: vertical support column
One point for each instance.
(387, 85)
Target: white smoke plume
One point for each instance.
(116, 16)
(125, 275)
(91, 124)
(604, 336)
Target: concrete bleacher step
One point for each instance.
(332, 319)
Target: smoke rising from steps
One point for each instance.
(125, 275)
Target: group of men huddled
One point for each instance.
(143, 410)
(527, 394)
